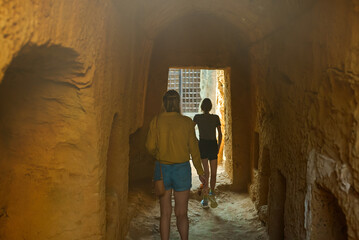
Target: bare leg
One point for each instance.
(166, 211)
(181, 207)
(213, 164)
(206, 174)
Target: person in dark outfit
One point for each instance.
(209, 147)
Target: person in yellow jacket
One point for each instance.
(171, 140)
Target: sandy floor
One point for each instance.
(234, 218)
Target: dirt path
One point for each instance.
(234, 218)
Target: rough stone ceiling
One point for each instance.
(253, 18)
(248, 17)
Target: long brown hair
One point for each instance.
(171, 101)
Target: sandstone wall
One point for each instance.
(67, 69)
(221, 101)
(79, 85)
(307, 74)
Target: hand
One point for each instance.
(203, 180)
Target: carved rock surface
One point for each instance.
(80, 81)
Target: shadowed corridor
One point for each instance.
(81, 80)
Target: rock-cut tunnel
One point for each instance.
(80, 81)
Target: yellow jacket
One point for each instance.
(171, 139)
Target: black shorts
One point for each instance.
(208, 149)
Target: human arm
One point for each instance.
(151, 140)
(195, 120)
(194, 151)
(219, 131)
(219, 135)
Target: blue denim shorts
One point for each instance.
(176, 176)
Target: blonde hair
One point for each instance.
(171, 101)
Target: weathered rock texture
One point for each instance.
(306, 75)
(80, 81)
(67, 67)
(222, 107)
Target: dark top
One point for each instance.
(207, 124)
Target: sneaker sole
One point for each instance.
(214, 205)
(213, 202)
